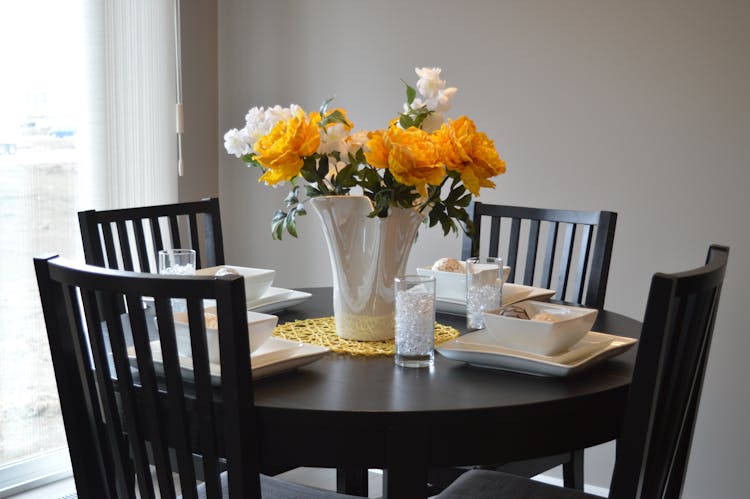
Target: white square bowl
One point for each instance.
(537, 336)
(451, 285)
(259, 327)
(257, 281)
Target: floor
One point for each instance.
(315, 477)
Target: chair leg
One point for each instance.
(573, 471)
(352, 480)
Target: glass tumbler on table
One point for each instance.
(484, 289)
(177, 262)
(415, 320)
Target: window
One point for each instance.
(86, 121)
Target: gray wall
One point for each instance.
(635, 106)
(200, 81)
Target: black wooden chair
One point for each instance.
(130, 238)
(654, 444)
(574, 247)
(123, 410)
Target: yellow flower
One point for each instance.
(412, 156)
(470, 153)
(281, 151)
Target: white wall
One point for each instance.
(634, 106)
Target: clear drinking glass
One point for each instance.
(177, 261)
(484, 289)
(415, 320)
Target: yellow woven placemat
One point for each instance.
(321, 331)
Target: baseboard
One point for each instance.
(591, 489)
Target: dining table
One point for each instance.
(354, 412)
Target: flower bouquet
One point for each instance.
(420, 160)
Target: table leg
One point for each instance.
(406, 476)
(573, 471)
(351, 480)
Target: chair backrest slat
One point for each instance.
(549, 255)
(176, 396)
(515, 234)
(149, 400)
(531, 253)
(115, 462)
(140, 244)
(134, 247)
(582, 264)
(494, 236)
(575, 247)
(156, 236)
(174, 231)
(204, 403)
(144, 408)
(565, 260)
(126, 388)
(194, 236)
(124, 238)
(109, 244)
(653, 448)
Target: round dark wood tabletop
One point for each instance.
(354, 411)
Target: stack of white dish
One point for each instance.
(257, 281)
(450, 289)
(260, 296)
(259, 327)
(551, 340)
(545, 329)
(451, 286)
(269, 354)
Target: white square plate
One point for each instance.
(478, 349)
(512, 293)
(276, 355)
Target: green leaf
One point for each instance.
(411, 93)
(447, 224)
(309, 172)
(324, 106)
(291, 223)
(277, 224)
(405, 121)
(300, 210)
(291, 198)
(336, 117)
(312, 192)
(464, 201)
(323, 167)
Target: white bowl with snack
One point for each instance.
(257, 281)
(539, 327)
(450, 278)
(259, 327)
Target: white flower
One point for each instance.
(357, 140)
(433, 122)
(333, 138)
(237, 142)
(260, 121)
(334, 167)
(444, 99)
(429, 83)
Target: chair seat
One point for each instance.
(481, 484)
(275, 488)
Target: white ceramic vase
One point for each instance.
(366, 254)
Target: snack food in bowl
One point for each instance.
(539, 327)
(450, 278)
(259, 328)
(257, 281)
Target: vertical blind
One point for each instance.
(131, 87)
